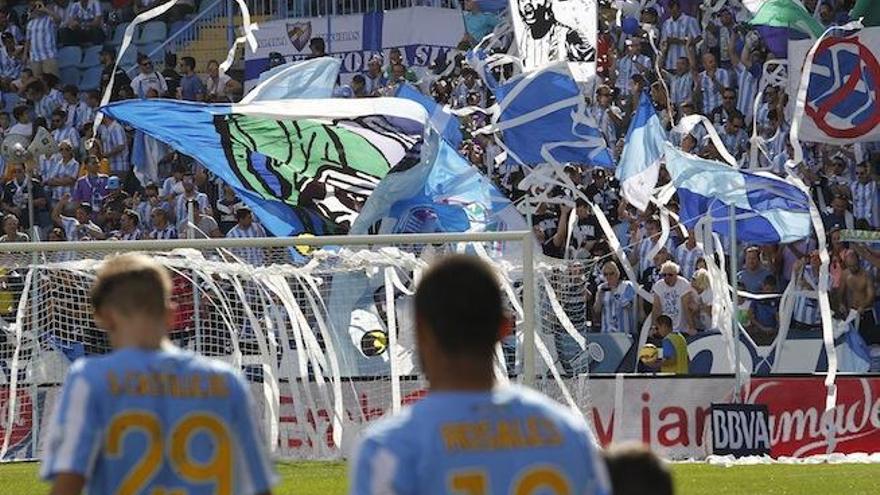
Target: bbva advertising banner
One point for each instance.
(422, 33)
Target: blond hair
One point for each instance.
(670, 267)
(132, 283)
(701, 280)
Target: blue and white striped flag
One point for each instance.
(639, 163)
(445, 122)
(768, 209)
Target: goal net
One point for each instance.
(321, 327)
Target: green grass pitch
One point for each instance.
(326, 478)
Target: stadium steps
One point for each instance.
(211, 42)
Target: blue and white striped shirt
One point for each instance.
(619, 308)
(87, 115)
(180, 206)
(10, 67)
(76, 114)
(83, 14)
(711, 94)
(41, 32)
(747, 91)
(45, 106)
(55, 167)
(687, 259)
(66, 133)
(254, 256)
(806, 306)
(169, 232)
(626, 68)
(865, 203)
(684, 26)
(113, 135)
(681, 87)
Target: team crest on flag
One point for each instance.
(299, 33)
(842, 102)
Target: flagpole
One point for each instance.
(735, 304)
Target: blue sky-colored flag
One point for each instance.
(768, 209)
(542, 119)
(446, 123)
(639, 163)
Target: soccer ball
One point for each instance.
(648, 353)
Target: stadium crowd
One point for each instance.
(711, 66)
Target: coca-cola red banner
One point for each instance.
(797, 406)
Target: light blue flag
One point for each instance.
(440, 194)
(542, 118)
(477, 60)
(441, 119)
(639, 163)
(768, 209)
(313, 78)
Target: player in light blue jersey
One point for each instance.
(469, 435)
(150, 418)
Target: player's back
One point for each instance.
(508, 441)
(135, 421)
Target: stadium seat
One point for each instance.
(69, 56)
(69, 75)
(152, 32)
(118, 34)
(90, 79)
(91, 57)
(129, 58)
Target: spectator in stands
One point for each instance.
(247, 228)
(15, 197)
(162, 229)
(615, 302)
(703, 301)
(74, 108)
(839, 215)
(395, 57)
(169, 72)
(866, 203)
(225, 207)
(23, 125)
(857, 291)
(10, 230)
(60, 130)
(676, 33)
(607, 117)
(83, 23)
(129, 229)
(733, 136)
(753, 274)
(190, 194)
(145, 206)
(726, 110)
(374, 78)
(114, 144)
(477, 24)
(204, 224)
(43, 103)
(764, 315)
(805, 273)
(8, 26)
(120, 80)
(61, 172)
(317, 48)
(215, 83)
(148, 78)
(12, 61)
(673, 298)
(91, 188)
(687, 254)
(632, 63)
(191, 86)
(41, 30)
(710, 83)
(80, 227)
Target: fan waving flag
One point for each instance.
(542, 118)
(842, 104)
(290, 160)
(778, 21)
(639, 163)
(768, 209)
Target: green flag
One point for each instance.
(869, 9)
(788, 14)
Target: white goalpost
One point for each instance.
(320, 326)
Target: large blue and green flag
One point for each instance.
(303, 164)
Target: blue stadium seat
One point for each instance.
(152, 32)
(91, 79)
(118, 34)
(69, 56)
(69, 75)
(91, 57)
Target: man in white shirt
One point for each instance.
(148, 78)
(676, 32)
(215, 83)
(672, 297)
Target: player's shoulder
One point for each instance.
(534, 402)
